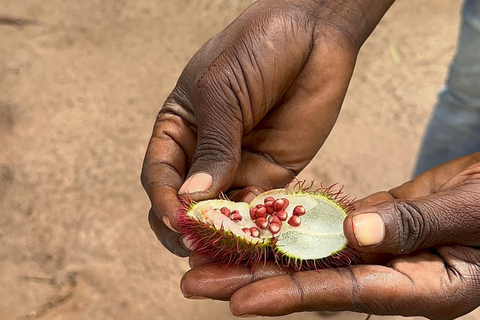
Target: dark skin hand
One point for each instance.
(431, 229)
(254, 104)
(253, 107)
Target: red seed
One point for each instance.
(274, 219)
(255, 232)
(282, 215)
(299, 211)
(262, 223)
(261, 212)
(247, 231)
(235, 216)
(252, 213)
(274, 228)
(269, 206)
(280, 204)
(225, 211)
(294, 221)
(268, 199)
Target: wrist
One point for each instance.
(355, 19)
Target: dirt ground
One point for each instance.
(80, 85)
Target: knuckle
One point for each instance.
(216, 147)
(219, 83)
(299, 288)
(416, 228)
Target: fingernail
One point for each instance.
(248, 197)
(368, 228)
(167, 222)
(187, 243)
(198, 182)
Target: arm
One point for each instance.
(259, 97)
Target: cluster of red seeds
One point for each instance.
(269, 215)
(272, 214)
(233, 215)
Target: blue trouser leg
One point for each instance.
(454, 128)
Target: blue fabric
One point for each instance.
(454, 128)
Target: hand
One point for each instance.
(434, 220)
(254, 104)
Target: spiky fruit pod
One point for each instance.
(252, 235)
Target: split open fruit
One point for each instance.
(300, 229)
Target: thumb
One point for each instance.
(217, 155)
(403, 226)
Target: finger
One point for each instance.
(402, 226)
(373, 199)
(436, 179)
(217, 156)
(245, 195)
(216, 281)
(363, 288)
(308, 110)
(261, 170)
(197, 259)
(170, 239)
(290, 135)
(168, 153)
(236, 90)
(325, 290)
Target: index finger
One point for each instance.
(435, 179)
(168, 155)
(402, 289)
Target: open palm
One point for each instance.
(437, 276)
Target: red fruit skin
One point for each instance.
(262, 223)
(294, 221)
(299, 211)
(229, 251)
(282, 215)
(285, 203)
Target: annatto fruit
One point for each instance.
(299, 229)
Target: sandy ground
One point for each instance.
(80, 85)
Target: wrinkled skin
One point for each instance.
(238, 106)
(436, 276)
